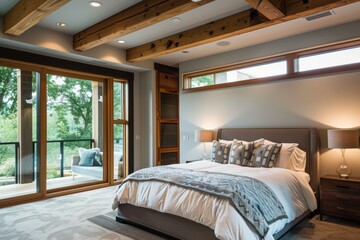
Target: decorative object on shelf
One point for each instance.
(204, 137)
(343, 139)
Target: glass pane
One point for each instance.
(74, 131)
(18, 136)
(169, 106)
(168, 134)
(258, 71)
(202, 81)
(118, 151)
(329, 59)
(168, 158)
(118, 100)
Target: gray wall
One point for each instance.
(147, 96)
(331, 101)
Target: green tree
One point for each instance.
(201, 81)
(71, 100)
(8, 91)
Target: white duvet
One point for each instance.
(291, 188)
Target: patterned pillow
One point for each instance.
(240, 153)
(265, 156)
(220, 152)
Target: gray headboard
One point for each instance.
(307, 138)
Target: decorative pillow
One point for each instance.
(220, 152)
(297, 160)
(240, 153)
(89, 157)
(285, 153)
(226, 141)
(265, 155)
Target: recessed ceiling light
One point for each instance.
(175, 20)
(196, 0)
(121, 41)
(185, 51)
(223, 43)
(61, 24)
(95, 4)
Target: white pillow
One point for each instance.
(297, 161)
(285, 153)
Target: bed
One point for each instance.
(174, 225)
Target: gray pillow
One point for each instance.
(265, 155)
(240, 153)
(220, 152)
(89, 157)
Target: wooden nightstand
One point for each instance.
(340, 197)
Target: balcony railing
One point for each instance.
(16, 148)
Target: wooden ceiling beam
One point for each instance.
(227, 27)
(272, 9)
(134, 18)
(26, 14)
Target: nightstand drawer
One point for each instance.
(341, 197)
(341, 186)
(341, 210)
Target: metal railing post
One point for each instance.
(61, 158)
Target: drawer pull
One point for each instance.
(341, 208)
(346, 187)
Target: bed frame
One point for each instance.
(174, 227)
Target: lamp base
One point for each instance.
(343, 171)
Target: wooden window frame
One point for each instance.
(49, 65)
(292, 73)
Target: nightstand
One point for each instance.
(340, 197)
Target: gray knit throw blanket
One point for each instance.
(252, 198)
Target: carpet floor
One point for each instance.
(88, 215)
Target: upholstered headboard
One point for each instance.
(307, 138)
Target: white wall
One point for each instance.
(331, 101)
(148, 118)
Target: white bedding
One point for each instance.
(291, 188)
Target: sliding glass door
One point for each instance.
(19, 111)
(74, 131)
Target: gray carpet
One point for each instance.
(88, 215)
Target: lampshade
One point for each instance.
(205, 136)
(343, 138)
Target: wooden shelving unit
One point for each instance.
(167, 107)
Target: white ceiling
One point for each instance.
(78, 15)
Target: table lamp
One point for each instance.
(204, 137)
(343, 139)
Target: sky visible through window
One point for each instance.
(330, 59)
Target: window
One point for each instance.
(260, 70)
(329, 59)
(120, 127)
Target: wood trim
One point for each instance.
(25, 14)
(77, 190)
(43, 133)
(166, 69)
(62, 65)
(134, 18)
(236, 24)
